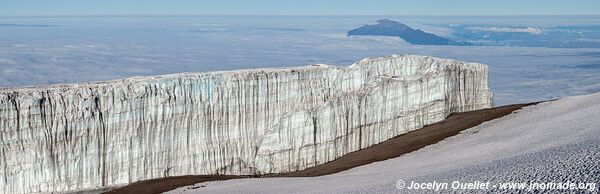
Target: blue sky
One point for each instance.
(299, 7)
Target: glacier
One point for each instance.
(551, 142)
(79, 136)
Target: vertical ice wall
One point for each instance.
(78, 136)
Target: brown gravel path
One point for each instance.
(391, 148)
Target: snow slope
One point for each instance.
(550, 142)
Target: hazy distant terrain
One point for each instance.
(385, 27)
(556, 57)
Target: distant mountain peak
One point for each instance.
(386, 21)
(391, 24)
(387, 27)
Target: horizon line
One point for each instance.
(287, 15)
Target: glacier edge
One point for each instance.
(88, 135)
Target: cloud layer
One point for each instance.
(92, 49)
(530, 30)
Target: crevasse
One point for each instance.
(88, 135)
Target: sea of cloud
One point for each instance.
(38, 50)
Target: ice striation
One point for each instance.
(82, 136)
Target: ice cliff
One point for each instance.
(81, 136)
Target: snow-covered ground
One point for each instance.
(552, 142)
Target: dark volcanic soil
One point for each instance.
(391, 148)
(169, 183)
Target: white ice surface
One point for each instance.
(550, 142)
(89, 135)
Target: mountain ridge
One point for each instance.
(387, 27)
